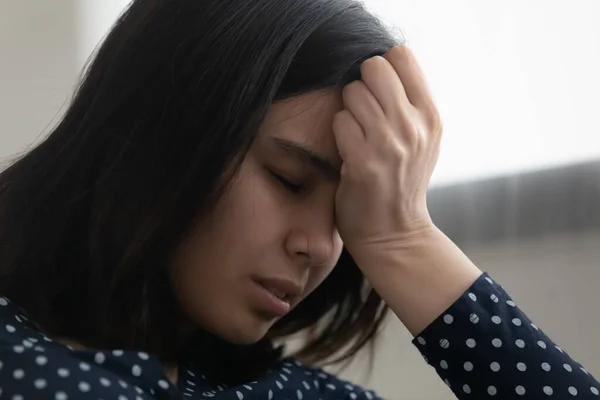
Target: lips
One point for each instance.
(276, 292)
(284, 289)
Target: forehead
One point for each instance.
(306, 119)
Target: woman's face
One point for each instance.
(272, 238)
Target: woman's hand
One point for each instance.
(388, 137)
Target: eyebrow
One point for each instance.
(309, 157)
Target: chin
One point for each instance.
(243, 340)
(246, 337)
(243, 331)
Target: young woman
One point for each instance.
(230, 173)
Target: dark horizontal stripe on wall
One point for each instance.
(522, 205)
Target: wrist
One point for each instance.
(419, 275)
(397, 246)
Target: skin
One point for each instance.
(383, 133)
(278, 231)
(380, 138)
(264, 229)
(388, 136)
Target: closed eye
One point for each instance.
(292, 187)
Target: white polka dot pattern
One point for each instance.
(482, 347)
(54, 371)
(499, 353)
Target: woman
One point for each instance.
(230, 173)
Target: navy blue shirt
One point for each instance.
(483, 347)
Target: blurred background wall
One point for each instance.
(518, 182)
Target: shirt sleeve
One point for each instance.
(484, 346)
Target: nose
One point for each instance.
(312, 240)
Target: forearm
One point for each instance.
(420, 276)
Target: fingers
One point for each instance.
(391, 101)
(349, 135)
(383, 81)
(363, 105)
(415, 86)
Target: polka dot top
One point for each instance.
(483, 347)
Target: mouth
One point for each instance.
(282, 288)
(283, 293)
(277, 293)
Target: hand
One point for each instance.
(388, 137)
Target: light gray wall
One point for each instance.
(38, 68)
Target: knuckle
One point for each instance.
(434, 122)
(391, 146)
(389, 136)
(409, 128)
(400, 152)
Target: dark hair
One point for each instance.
(90, 218)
